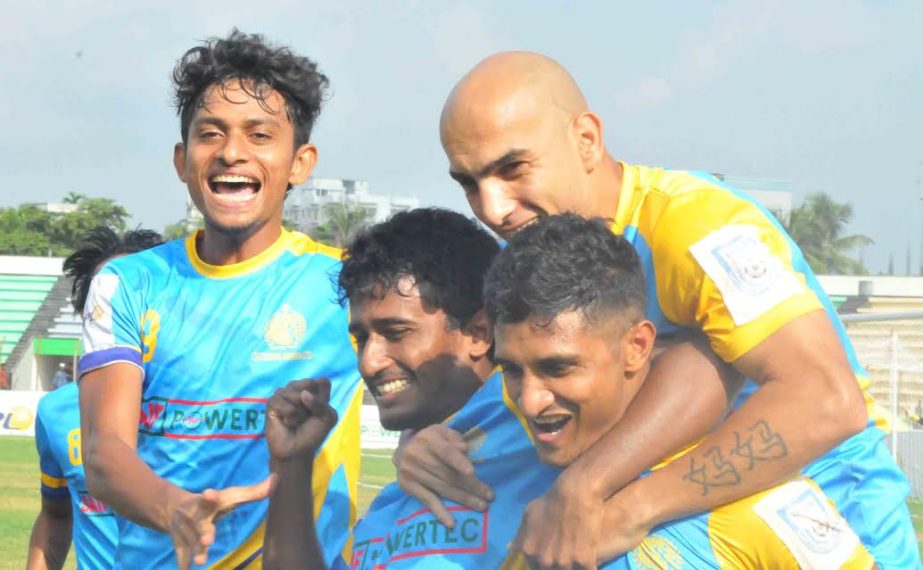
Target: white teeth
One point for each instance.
(392, 387)
(233, 179)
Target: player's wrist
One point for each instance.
(174, 500)
(581, 483)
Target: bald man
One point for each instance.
(522, 143)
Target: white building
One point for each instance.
(774, 195)
(305, 204)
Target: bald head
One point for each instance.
(510, 81)
(522, 143)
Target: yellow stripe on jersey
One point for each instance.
(344, 443)
(53, 482)
(743, 538)
(300, 244)
(255, 263)
(679, 211)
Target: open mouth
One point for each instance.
(389, 388)
(234, 187)
(547, 428)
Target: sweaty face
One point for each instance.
(568, 378)
(412, 362)
(515, 163)
(239, 159)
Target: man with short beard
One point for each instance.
(185, 342)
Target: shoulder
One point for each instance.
(53, 402)
(299, 244)
(147, 264)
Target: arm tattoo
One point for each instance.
(758, 444)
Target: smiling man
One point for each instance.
(567, 299)
(414, 284)
(523, 143)
(185, 342)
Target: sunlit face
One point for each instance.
(572, 380)
(239, 159)
(414, 364)
(516, 164)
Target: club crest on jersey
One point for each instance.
(657, 552)
(283, 333)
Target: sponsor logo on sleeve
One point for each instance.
(283, 335)
(420, 534)
(230, 418)
(752, 280)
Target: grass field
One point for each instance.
(20, 501)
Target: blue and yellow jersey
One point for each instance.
(213, 344)
(57, 437)
(400, 532)
(788, 527)
(716, 261)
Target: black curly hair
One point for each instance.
(98, 247)
(445, 253)
(565, 263)
(257, 65)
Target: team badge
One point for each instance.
(285, 329)
(657, 553)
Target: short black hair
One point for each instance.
(565, 263)
(248, 59)
(98, 247)
(446, 254)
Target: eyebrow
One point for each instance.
(509, 156)
(221, 123)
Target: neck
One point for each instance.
(219, 247)
(606, 185)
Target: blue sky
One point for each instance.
(827, 94)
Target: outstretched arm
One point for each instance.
(110, 403)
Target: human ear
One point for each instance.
(637, 344)
(588, 129)
(179, 160)
(480, 334)
(303, 164)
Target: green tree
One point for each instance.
(343, 221)
(30, 230)
(817, 226)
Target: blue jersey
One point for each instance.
(767, 530)
(214, 343)
(716, 261)
(57, 437)
(399, 532)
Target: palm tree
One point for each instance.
(817, 226)
(343, 221)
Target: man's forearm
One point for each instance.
(686, 393)
(291, 537)
(49, 543)
(776, 433)
(115, 474)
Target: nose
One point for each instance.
(495, 203)
(234, 150)
(373, 358)
(534, 397)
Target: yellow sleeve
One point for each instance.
(722, 266)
